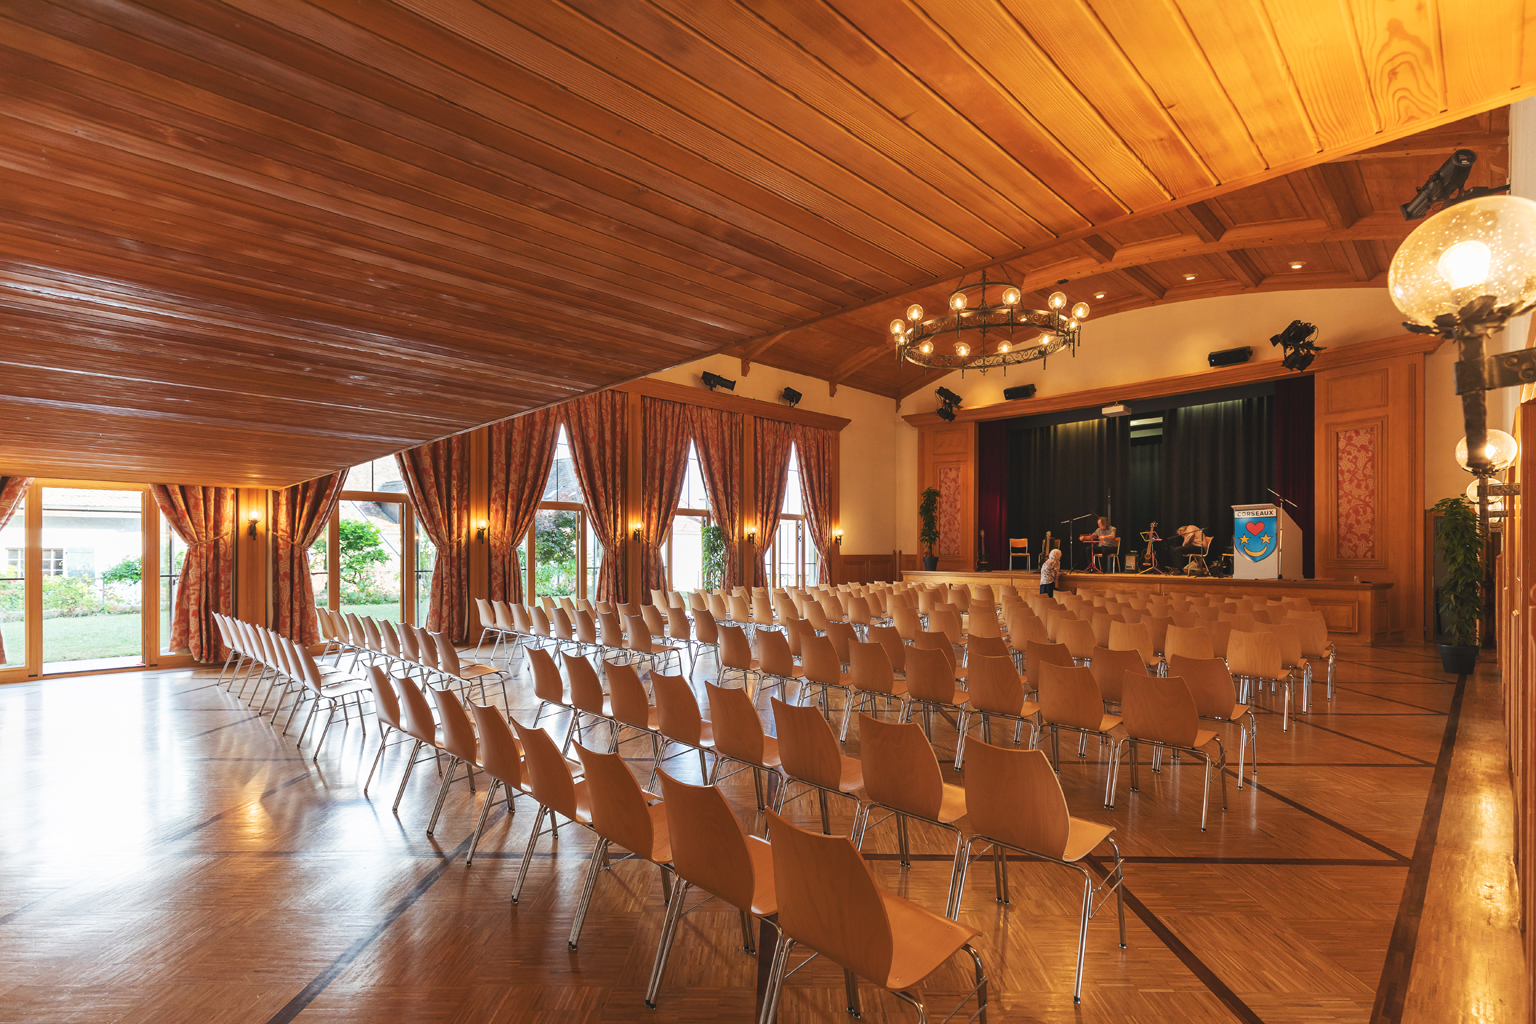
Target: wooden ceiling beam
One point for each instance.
(1241, 266)
(1362, 262)
(1098, 248)
(1428, 145)
(757, 348)
(1333, 195)
(1204, 222)
(1141, 281)
(853, 364)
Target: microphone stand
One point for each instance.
(1072, 536)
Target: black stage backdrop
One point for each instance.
(1215, 450)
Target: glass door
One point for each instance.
(13, 592)
(92, 552)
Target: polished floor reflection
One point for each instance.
(167, 856)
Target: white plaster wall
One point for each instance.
(869, 450)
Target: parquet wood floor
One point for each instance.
(166, 856)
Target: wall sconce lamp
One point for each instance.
(837, 536)
(751, 535)
(635, 532)
(252, 518)
(480, 529)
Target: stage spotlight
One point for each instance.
(1231, 356)
(1022, 391)
(791, 396)
(946, 413)
(1442, 185)
(1118, 409)
(1296, 341)
(947, 396)
(714, 380)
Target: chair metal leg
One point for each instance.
(1082, 936)
(851, 986)
(410, 763)
(377, 758)
(485, 812)
(442, 791)
(533, 838)
(664, 943)
(776, 979)
(594, 868)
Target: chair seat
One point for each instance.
(921, 941)
(652, 720)
(1083, 837)
(661, 837)
(473, 671)
(765, 898)
(952, 805)
(852, 775)
(583, 804)
(344, 687)
(959, 699)
(606, 712)
(1202, 737)
(771, 757)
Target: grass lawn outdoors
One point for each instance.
(86, 636)
(390, 610)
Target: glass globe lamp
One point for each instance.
(1058, 300)
(926, 348)
(1495, 501)
(897, 326)
(958, 301)
(1080, 311)
(914, 312)
(1480, 247)
(1011, 296)
(962, 349)
(1502, 450)
(1004, 347)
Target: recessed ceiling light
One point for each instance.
(1098, 295)
(1189, 277)
(1298, 264)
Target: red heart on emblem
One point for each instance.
(1255, 527)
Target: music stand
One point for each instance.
(1152, 540)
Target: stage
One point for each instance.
(1355, 610)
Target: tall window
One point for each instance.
(561, 549)
(382, 563)
(793, 560)
(684, 551)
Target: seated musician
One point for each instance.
(1192, 541)
(1105, 537)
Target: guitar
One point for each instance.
(1152, 538)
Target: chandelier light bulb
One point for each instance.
(1495, 501)
(1478, 247)
(1011, 296)
(962, 349)
(926, 348)
(914, 312)
(1502, 450)
(958, 301)
(1080, 311)
(897, 326)
(1058, 300)
(1004, 347)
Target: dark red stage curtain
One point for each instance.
(992, 490)
(1294, 467)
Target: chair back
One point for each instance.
(560, 625)
(842, 634)
(620, 813)
(586, 688)
(386, 705)
(610, 633)
(500, 755)
(627, 696)
(371, 632)
(1210, 684)
(1038, 654)
(735, 651)
(900, 769)
(819, 662)
(419, 724)
(740, 612)
(905, 619)
(426, 647)
(931, 641)
(487, 614)
(458, 731)
(698, 601)
(807, 745)
(540, 619)
(1077, 636)
(870, 668)
(677, 709)
(547, 684)
(985, 647)
(733, 717)
(983, 621)
(408, 643)
(1014, 795)
(895, 650)
(1191, 642)
(773, 654)
(709, 849)
(1157, 630)
(960, 598)
(859, 611)
(1131, 636)
(1159, 709)
(828, 899)
(1254, 654)
(1070, 696)
(1184, 618)
(447, 657)
(930, 675)
(678, 626)
(1289, 640)
(1109, 669)
(549, 776)
(705, 629)
(993, 686)
(389, 638)
(718, 608)
(1311, 633)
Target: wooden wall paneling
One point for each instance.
(867, 568)
(835, 497)
(149, 579)
(750, 525)
(253, 558)
(947, 460)
(1517, 666)
(1369, 473)
(479, 512)
(634, 503)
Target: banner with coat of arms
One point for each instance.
(1256, 535)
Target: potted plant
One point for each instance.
(1459, 540)
(928, 533)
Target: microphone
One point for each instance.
(1283, 498)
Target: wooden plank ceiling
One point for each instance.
(252, 241)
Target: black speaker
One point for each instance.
(1022, 391)
(1231, 356)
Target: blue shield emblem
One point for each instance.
(1256, 538)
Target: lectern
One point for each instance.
(1266, 543)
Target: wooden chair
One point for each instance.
(736, 655)
(1288, 638)
(621, 815)
(1255, 659)
(873, 678)
(1312, 635)
(386, 712)
(1109, 669)
(810, 756)
(460, 744)
(587, 700)
(1215, 695)
(995, 690)
(902, 776)
(931, 687)
(420, 726)
(1160, 710)
(1078, 638)
(557, 789)
(1038, 654)
(1188, 642)
(710, 851)
(895, 650)
(1016, 803)
(1018, 547)
(678, 720)
(631, 708)
(502, 761)
(1070, 699)
(829, 902)
(548, 686)
(1133, 636)
(738, 734)
(822, 671)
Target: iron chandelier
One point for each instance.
(974, 334)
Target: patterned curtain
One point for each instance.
(522, 451)
(814, 446)
(597, 428)
(437, 479)
(770, 474)
(299, 516)
(13, 489)
(666, 463)
(717, 434)
(204, 518)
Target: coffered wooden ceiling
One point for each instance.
(253, 241)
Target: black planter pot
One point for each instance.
(1458, 659)
(930, 564)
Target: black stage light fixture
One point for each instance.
(792, 396)
(1447, 186)
(714, 380)
(946, 413)
(1298, 343)
(948, 397)
(1231, 356)
(1022, 391)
